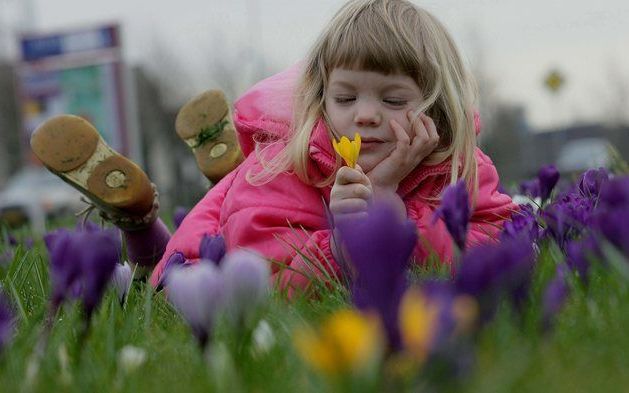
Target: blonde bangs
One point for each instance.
(365, 39)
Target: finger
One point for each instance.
(351, 191)
(400, 133)
(419, 128)
(346, 175)
(412, 116)
(347, 206)
(366, 181)
(430, 126)
(350, 217)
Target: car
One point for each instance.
(34, 195)
(581, 154)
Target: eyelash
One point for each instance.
(347, 100)
(344, 100)
(395, 102)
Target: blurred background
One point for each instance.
(553, 79)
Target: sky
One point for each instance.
(512, 43)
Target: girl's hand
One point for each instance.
(411, 149)
(350, 193)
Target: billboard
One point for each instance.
(76, 72)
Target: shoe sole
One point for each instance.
(205, 124)
(72, 148)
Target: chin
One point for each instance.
(369, 161)
(367, 165)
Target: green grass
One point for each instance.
(587, 351)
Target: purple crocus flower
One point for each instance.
(612, 215)
(614, 225)
(175, 260)
(554, 297)
(82, 261)
(455, 212)
(523, 223)
(98, 261)
(212, 248)
(7, 322)
(592, 180)
(65, 265)
(490, 271)
(197, 292)
(179, 215)
(530, 188)
(568, 217)
(246, 278)
(548, 177)
(379, 247)
(12, 240)
(121, 280)
(614, 193)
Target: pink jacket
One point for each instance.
(286, 215)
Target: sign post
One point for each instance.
(77, 72)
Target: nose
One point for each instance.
(367, 114)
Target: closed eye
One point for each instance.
(344, 99)
(395, 102)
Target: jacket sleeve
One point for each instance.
(202, 219)
(284, 220)
(492, 207)
(310, 262)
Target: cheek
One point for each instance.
(337, 117)
(402, 120)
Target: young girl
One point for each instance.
(384, 69)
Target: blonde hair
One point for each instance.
(390, 37)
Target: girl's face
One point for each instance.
(365, 102)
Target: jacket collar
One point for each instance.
(325, 162)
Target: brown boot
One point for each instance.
(71, 148)
(205, 124)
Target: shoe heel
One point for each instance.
(72, 149)
(205, 124)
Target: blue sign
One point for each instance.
(36, 48)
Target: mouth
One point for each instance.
(367, 143)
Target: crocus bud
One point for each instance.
(122, 280)
(246, 277)
(263, 338)
(7, 321)
(379, 247)
(176, 259)
(99, 253)
(548, 177)
(591, 181)
(455, 212)
(197, 293)
(212, 248)
(131, 358)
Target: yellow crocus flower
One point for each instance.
(348, 150)
(418, 322)
(348, 342)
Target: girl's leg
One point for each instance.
(72, 148)
(146, 246)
